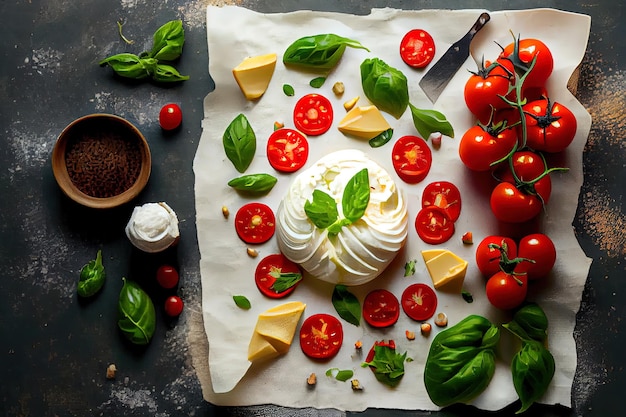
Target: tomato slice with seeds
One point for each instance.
(433, 225)
(419, 302)
(255, 223)
(287, 150)
(313, 114)
(271, 268)
(321, 336)
(417, 48)
(445, 195)
(412, 159)
(381, 308)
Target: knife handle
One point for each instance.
(480, 22)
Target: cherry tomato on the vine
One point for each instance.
(507, 291)
(287, 150)
(539, 248)
(170, 116)
(174, 306)
(488, 256)
(445, 195)
(411, 158)
(167, 276)
(313, 114)
(550, 127)
(481, 146)
(419, 301)
(381, 308)
(417, 48)
(433, 225)
(484, 87)
(275, 267)
(522, 52)
(255, 223)
(321, 336)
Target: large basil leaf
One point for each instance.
(168, 41)
(254, 183)
(347, 305)
(429, 121)
(356, 196)
(137, 317)
(318, 52)
(532, 368)
(240, 143)
(321, 210)
(385, 86)
(529, 323)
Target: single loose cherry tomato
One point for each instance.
(287, 150)
(167, 276)
(445, 195)
(484, 87)
(381, 308)
(273, 267)
(521, 53)
(313, 114)
(417, 48)
(550, 127)
(507, 291)
(412, 159)
(541, 250)
(419, 302)
(255, 223)
(321, 336)
(488, 253)
(174, 306)
(170, 116)
(483, 145)
(433, 225)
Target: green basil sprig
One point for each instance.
(284, 280)
(254, 183)
(322, 210)
(239, 143)
(137, 317)
(319, 52)
(92, 277)
(386, 87)
(428, 121)
(461, 361)
(346, 304)
(167, 45)
(387, 364)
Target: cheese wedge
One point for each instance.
(274, 331)
(446, 270)
(365, 122)
(253, 75)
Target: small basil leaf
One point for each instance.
(126, 65)
(356, 196)
(532, 369)
(428, 121)
(168, 74)
(285, 280)
(288, 90)
(239, 143)
(92, 277)
(533, 320)
(386, 87)
(242, 302)
(317, 82)
(322, 210)
(409, 268)
(167, 41)
(347, 305)
(137, 317)
(381, 139)
(254, 183)
(467, 296)
(344, 375)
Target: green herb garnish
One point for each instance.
(242, 302)
(347, 305)
(239, 143)
(317, 82)
(284, 280)
(92, 277)
(428, 121)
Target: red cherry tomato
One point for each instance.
(412, 159)
(445, 195)
(269, 269)
(522, 52)
(321, 336)
(417, 48)
(287, 150)
(484, 87)
(170, 116)
(167, 276)
(550, 127)
(482, 145)
(507, 291)
(381, 308)
(419, 302)
(488, 258)
(433, 225)
(255, 223)
(174, 306)
(540, 249)
(313, 114)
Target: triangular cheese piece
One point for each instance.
(275, 330)
(253, 75)
(364, 122)
(447, 271)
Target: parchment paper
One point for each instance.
(235, 33)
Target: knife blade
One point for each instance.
(439, 75)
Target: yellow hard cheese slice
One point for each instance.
(446, 269)
(365, 122)
(253, 75)
(274, 331)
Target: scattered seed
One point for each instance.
(253, 253)
(312, 379)
(225, 212)
(410, 335)
(425, 329)
(441, 320)
(339, 88)
(358, 345)
(356, 385)
(111, 371)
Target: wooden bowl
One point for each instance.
(101, 161)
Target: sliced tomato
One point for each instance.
(412, 159)
(276, 267)
(433, 225)
(321, 336)
(419, 302)
(417, 48)
(381, 308)
(313, 114)
(255, 223)
(445, 195)
(287, 150)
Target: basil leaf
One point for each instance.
(239, 143)
(386, 87)
(532, 369)
(137, 317)
(242, 302)
(319, 52)
(356, 196)
(284, 280)
(168, 74)
(381, 139)
(322, 210)
(317, 82)
(288, 90)
(126, 65)
(92, 277)
(467, 296)
(346, 304)
(430, 121)
(409, 268)
(529, 323)
(387, 364)
(167, 41)
(344, 375)
(254, 183)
